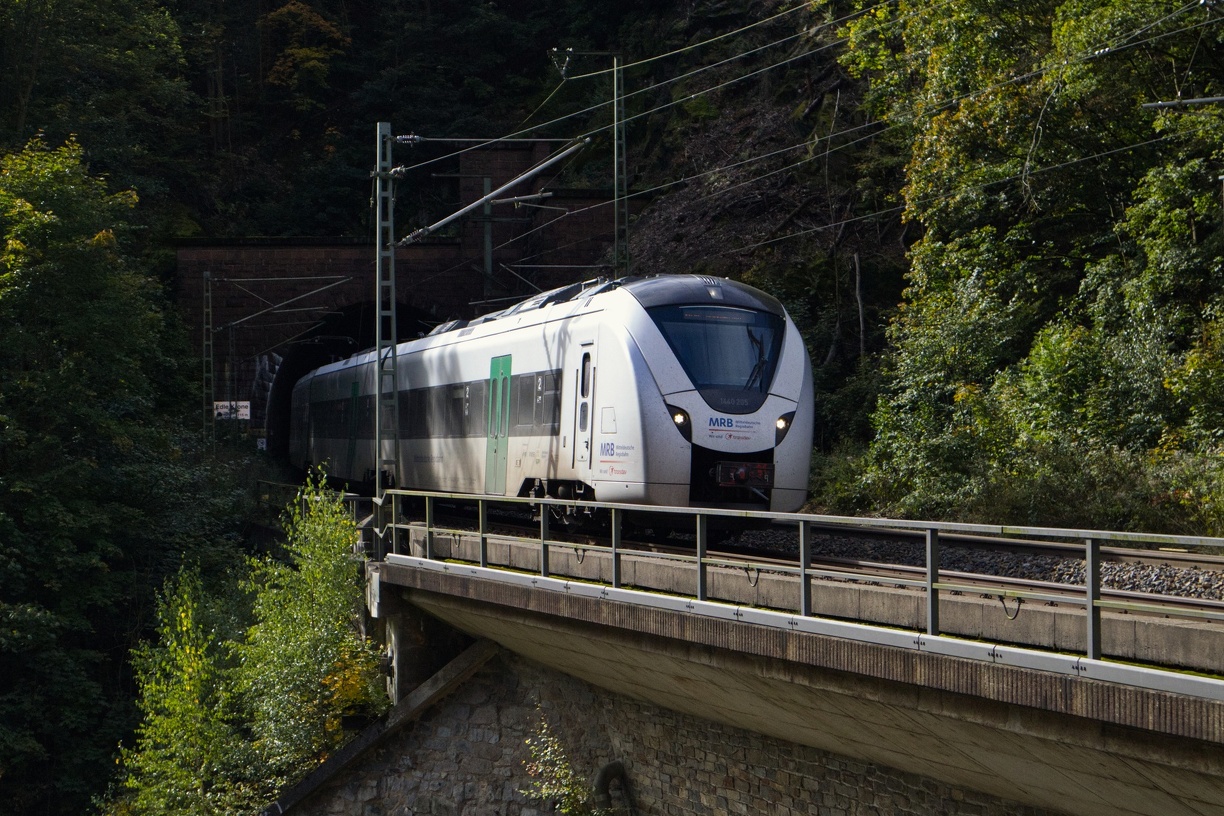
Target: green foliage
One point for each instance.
(237, 706)
(99, 493)
(556, 783)
(1053, 359)
(107, 72)
(190, 754)
(303, 665)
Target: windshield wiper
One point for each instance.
(759, 368)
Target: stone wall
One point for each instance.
(467, 757)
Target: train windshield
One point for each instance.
(729, 353)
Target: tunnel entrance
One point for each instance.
(343, 333)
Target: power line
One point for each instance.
(1095, 52)
(704, 43)
(1092, 54)
(672, 80)
(1085, 56)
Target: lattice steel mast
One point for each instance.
(386, 401)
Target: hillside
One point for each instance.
(999, 226)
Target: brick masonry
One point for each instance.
(467, 756)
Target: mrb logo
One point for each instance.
(721, 422)
(607, 448)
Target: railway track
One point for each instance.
(995, 562)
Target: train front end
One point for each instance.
(735, 381)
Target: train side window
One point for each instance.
(505, 409)
(455, 411)
(479, 407)
(494, 404)
(548, 400)
(586, 375)
(524, 401)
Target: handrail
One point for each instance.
(918, 527)
(926, 533)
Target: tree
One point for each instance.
(247, 687)
(107, 72)
(555, 782)
(190, 755)
(98, 493)
(303, 665)
(1069, 259)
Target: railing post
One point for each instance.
(616, 541)
(703, 525)
(482, 508)
(544, 540)
(429, 526)
(380, 530)
(394, 523)
(1092, 589)
(805, 562)
(932, 578)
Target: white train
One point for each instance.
(673, 390)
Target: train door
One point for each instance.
(498, 425)
(584, 394)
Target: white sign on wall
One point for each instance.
(232, 410)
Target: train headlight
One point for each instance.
(783, 426)
(682, 422)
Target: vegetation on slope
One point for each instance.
(246, 688)
(100, 490)
(1056, 356)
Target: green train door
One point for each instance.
(498, 434)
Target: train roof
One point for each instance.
(688, 290)
(649, 291)
(655, 290)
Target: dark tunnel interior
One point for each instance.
(341, 334)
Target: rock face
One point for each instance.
(468, 756)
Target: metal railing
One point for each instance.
(390, 529)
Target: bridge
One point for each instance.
(1062, 707)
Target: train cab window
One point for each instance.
(729, 353)
(586, 375)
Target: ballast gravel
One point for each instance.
(1152, 578)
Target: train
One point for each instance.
(667, 390)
